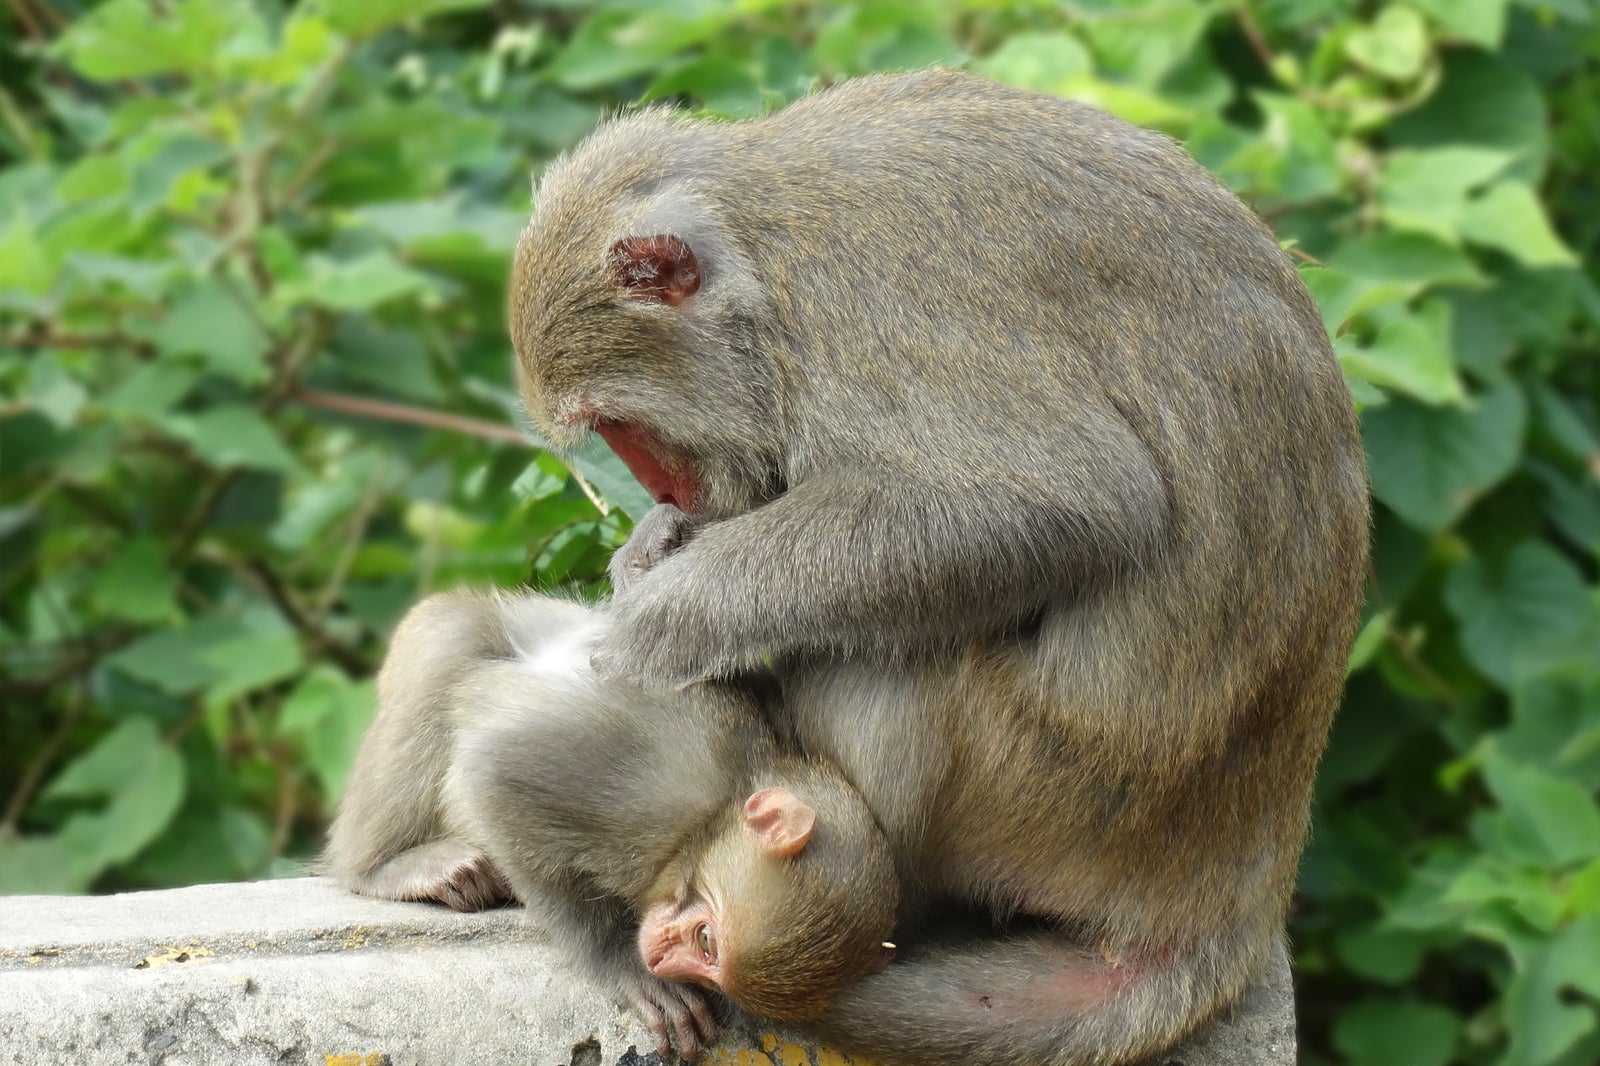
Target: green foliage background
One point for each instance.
(254, 401)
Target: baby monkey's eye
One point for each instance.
(703, 940)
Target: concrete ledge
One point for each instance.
(299, 971)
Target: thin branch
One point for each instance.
(1252, 34)
(27, 340)
(371, 496)
(266, 580)
(88, 651)
(51, 15)
(307, 170)
(33, 773)
(416, 416)
(1404, 649)
(19, 10)
(441, 420)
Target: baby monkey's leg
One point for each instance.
(400, 832)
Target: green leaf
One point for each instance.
(1557, 816)
(328, 714)
(1429, 464)
(722, 87)
(354, 284)
(1543, 1026)
(169, 659)
(94, 177)
(136, 38)
(23, 263)
(1507, 614)
(1426, 191)
(142, 776)
(207, 320)
(1138, 106)
(362, 18)
(1570, 502)
(1145, 48)
(1555, 724)
(614, 45)
(1558, 419)
(1341, 297)
(234, 435)
(1479, 21)
(1368, 641)
(1394, 45)
(913, 47)
(1411, 355)
(38, 866)
(103, 769)
(154, 178)
(1482, 100)
(135, 585)
(1407, 258)
(1395, 1032)
(1298, 135)
(54, 392)
(245, 664)
(1509, 217)
(1040, 61)
(206, 845)
(152, 390)
(1583, 896)
(1392, 956)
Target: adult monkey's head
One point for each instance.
(784, 904)
(635, 314)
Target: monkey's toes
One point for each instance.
(472, 885)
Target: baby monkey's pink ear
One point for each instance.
(779, 821)
(660, 269)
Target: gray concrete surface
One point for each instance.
(298, 971)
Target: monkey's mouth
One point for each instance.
(666, 475)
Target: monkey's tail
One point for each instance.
(1039, 1001)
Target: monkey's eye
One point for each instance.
(708, 947)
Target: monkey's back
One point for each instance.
(1060, 289)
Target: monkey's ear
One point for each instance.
(660, 269)
(779, 821)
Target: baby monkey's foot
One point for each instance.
(455, 873)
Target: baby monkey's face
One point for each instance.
(769, 917)
(682, 941)
(686, 937)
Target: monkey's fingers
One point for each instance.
(654, 1020)
(704, 1018)
(685, 1034)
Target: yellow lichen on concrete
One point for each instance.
(743, 1056)
(357, 1058)
(784, 1052)
(171, 955)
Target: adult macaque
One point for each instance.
(662, 839)
(1013, 442)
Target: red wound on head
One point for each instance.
(661, 269)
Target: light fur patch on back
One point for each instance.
(564, 656)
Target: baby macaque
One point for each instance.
(664, 840)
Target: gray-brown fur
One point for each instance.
(499, 766)
(1025, 458)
